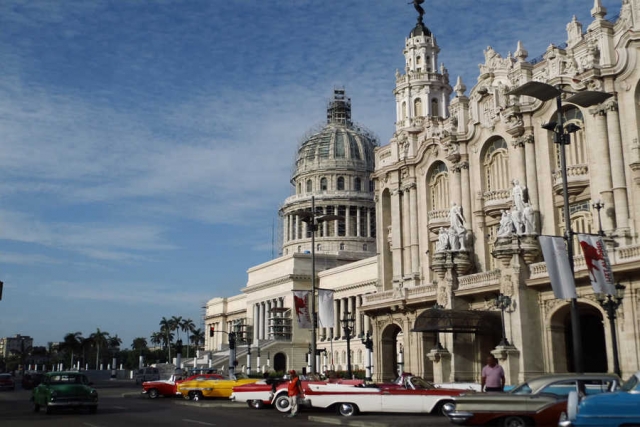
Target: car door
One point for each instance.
(402, 400)
(40, 392)
(557, 391)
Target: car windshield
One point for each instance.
(521, 389)
(68, 379)
(630, 384)
(5, 376)
(421, 384)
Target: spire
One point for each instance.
(339, 109)
(459, 87)
(520, 53)
(598, 12)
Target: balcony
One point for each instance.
(438, 218)
(488, 281)
(577, 179)
(495, 201)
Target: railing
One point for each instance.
(479, 280)
(496, 195)
(538, 269)
(628, 252)
(421, 291)
(572, 171)
(380, 296)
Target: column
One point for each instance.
(600, 166)
(256, 322)
(261, 321)
(367, 321)
(352, 310)
(456, 186)
(336, 321)
(285, 226)
(291, 222)
(324, 224)
(413, 212)
(368, 233)
(396, 241)
(335, 223)
(345, 306)
(517, 161)
(532, 171)
(304, 230)
(617, 168)
(406, 232)
(358, 226)
(268, 323)
(466, 194)
(347, 221)
(296, 228)
(358, 316)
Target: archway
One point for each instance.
(389, 353)
(594, 348)
(280, 362)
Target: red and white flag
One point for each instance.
(597, 261)
(554, 252)
(301, 307)
(325, 308)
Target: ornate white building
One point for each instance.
(461, 192)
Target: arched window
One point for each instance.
(417, 107)
(434, 107)
(403, 111)
(439, 187)
(309, 186)
(581, 222)
(358, 184)
(341, 183)
(418, 60)
(318, 247)
(323, 184)
(342, 246)
(496, 166)
(576, 151)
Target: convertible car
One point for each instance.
(539, 401)
(169, 387)
(617, 409)
(417, 396)
(274, 391)
(215, 387)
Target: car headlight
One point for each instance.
(93, 393)
(449, 407)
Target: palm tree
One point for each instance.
(166, 327)
(187, 326)
(85, 346)
(71, 344)
(99, 339)
(176, 324)
(156, 338)
(197, 337)
(140, 343)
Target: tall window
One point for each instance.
(576, 151)
(358, 184)
(581, 222)
(323, 184)
(340, 142)
(434, 107)
(341, 183)
(439, 187)
(299, 188)
(417, 107)
(496, 166)
(309, 186)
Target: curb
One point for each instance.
(209, 404)
(343, 422)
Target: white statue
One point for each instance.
(454, 241)
(506, 225)
(529, 219)
(518, 221)
(443, 240)
(518, 194)
(456, 219)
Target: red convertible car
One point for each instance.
(169, 387)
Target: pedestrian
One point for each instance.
(295, 392)
(492, 375)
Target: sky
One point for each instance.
(146, 146)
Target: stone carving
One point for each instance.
(518, 193)
(506, 225)
(518, 221)
(456, 234)
(529, 216)
(443, 240)
(443, 297)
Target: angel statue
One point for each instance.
(419, 9)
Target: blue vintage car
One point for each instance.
(617, 409)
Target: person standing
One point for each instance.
(295, 392)
(492, 376)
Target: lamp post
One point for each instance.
(502, 303)
(610, 305)
(401, 361)
(347, 325)
(312, 221)
(545, 92)
(368, 344)
(598, 205)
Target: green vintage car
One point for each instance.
(65, 390)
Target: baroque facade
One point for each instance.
(462, 189)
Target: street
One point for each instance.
(120, 406)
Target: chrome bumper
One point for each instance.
(459, 417)
(565, 423)
(72, 403)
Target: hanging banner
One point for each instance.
(301, 307)
(325, 308)
(554, 252)
(597, 261)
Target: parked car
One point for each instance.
(202, 388)
(31, 380)
(64, 390)
(419, 397)
(169, 387)
(7, 382)
(146, 374)
(617, 409)
(539, 401)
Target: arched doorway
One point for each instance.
(594, 347)
(389, 352)
(280, 362)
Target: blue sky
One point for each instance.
(145, 146)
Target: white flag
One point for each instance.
(554, 251)
(325, 308)
(597, 261)
(301, 307)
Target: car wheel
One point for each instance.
(255, 404)
(282, 403)
(196, 395)
(515, 422)
(347, 409)
(439, 409)
(93, 409)
(153, 393)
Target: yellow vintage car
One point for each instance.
(203, 388)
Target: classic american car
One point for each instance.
(169, 387)
(274, 391)
(617, 409)
(7, 382)
(214, 387)
(64, 390)
(539, 401)
(419, 397)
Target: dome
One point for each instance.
(340, 144)
(420, 30)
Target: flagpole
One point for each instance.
(313, 225)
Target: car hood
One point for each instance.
(618, 402)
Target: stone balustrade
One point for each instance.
(496, 195)
(479, 280)
(421, 292)
(628, 253)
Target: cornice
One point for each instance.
(274, 282)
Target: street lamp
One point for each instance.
(598, 205)
(545, 92)
(610, 305)
(347, 325)
(312, 221)
(368, 344)
(502, 303)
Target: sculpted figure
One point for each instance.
(443, 240)
(518, 194)
(506, 225)
(518, 221)
(529, 219)
(454, 241)
(456, 219)
(419, 9)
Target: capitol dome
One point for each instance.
(334, 167)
